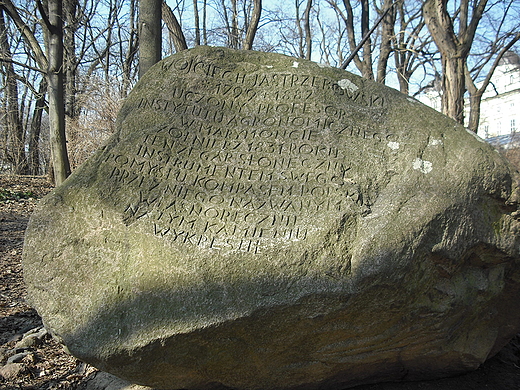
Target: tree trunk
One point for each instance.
(16, 146)
(149, 34)
(475, 93)
(70, 60)
(130, 52)
(453, 87)
(454, 49)
(474, 112)
(307, 26)
(407, 45)
(301, 48)
(58, 143)
(174, 28)
(234, 34)
(366, 71)
(253, 26)
(34, 134)
(204, 22)
(197, 22)
(364, 63)
(385, 46)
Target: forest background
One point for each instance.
(66, 65)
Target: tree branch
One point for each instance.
(253, 26)
(8, 60)
(174, 28)
(40, 57)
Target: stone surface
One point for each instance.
(263, 222)
(104, 381)
(11, 370)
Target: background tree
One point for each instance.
(454, 45)
(101, 39)
(410, 45)
(55, 82)
(174, 28)
(252, 27)
(15, 150)
(476, 91)
(150, 34)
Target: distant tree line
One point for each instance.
(66, 65)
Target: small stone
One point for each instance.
(26, 342)
(3, 354)
(104, 381)
(32, 338)
(15, 337)
(11, 370)
(17, 358)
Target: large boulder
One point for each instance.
(264, 222)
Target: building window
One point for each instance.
(513, 125)
(486, 131)
(511, 79)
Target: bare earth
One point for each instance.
(37, 363)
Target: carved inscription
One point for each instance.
(246, 161)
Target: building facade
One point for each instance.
(500, 106)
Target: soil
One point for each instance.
(46, 366)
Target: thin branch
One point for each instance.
(366, 37)
(8, 60)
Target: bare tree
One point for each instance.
(58, 143)
(149, 34)
(33, 158)
(197, 22)
(174, 28)
(454, 47)
(70, 63)
(253, 25)
(387, 16)
(303, 24)
(409, 43)
(52, 65)
(476, 92)
(364, 62)
(15, 132)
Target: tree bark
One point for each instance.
(385, 46)
(204, 22)
(367, 47)
(307, 28)
(34, 133)
(133, 43)
(197, 22)
(454, 49)
(26, 31)
(16, 145)
(58, 143)
(234, 33)
(174, 28)
(253, 26)
(475, 99)
(453, 86)
(149, 34)
(70, 60)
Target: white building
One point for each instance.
(500, 106)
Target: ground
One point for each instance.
(31, 360)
